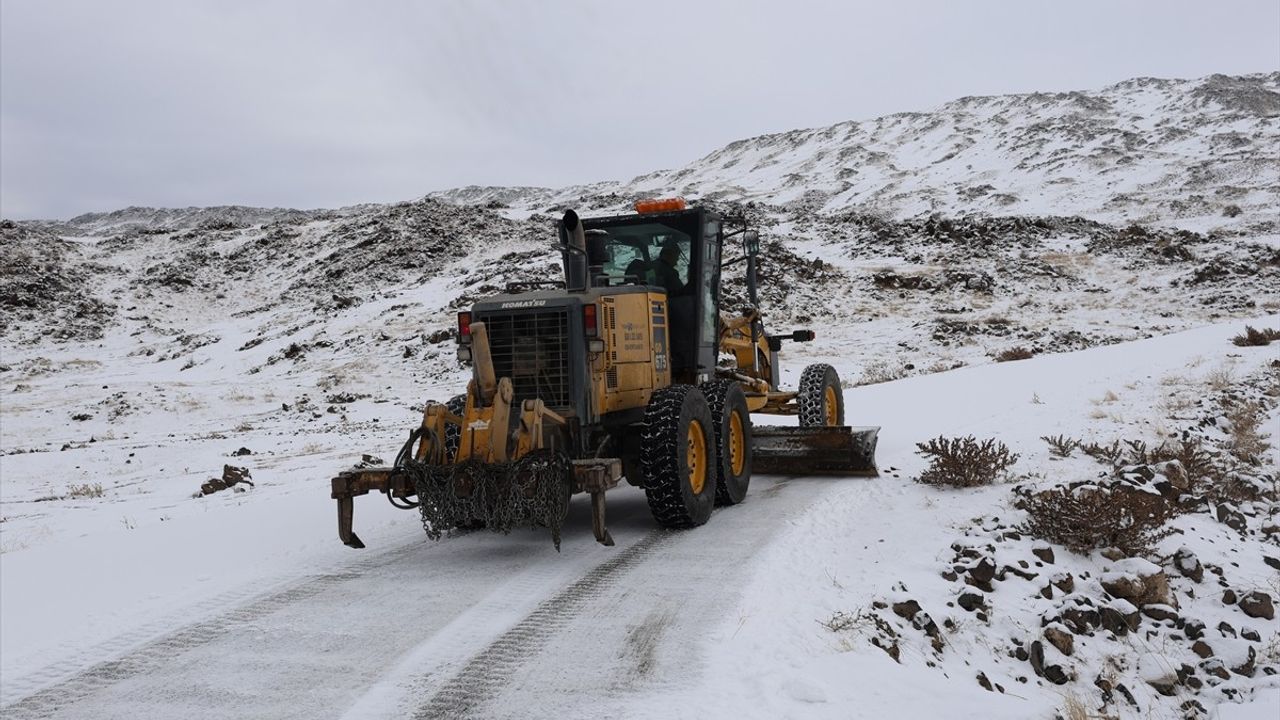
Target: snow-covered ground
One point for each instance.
(143, 350)
(889, 539)
(147, 601)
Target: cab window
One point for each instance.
(652, 253)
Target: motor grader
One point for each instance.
(626, 368)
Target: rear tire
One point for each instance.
(732, 421)
(678, 457)
(457, 405)
(821, 398)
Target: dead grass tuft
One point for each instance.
(1222, 379)
(1074, 708)
(865, 623)
(882, 371)
(85, 490)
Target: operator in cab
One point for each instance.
(667, 275)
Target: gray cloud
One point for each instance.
(312, 104)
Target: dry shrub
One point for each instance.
(1253, 337)
(1237, 487)
(964, 462)
(1247, 442)
(865, 623)
(941, 366)
(1196, 463)
(1221, 380)
(1017, 353)
(1173, 404)
(1139, 453)
(1105, 454)
(1061, 445)
(1091, 517)
(841, 621)
(1068, 264)
(882, 371)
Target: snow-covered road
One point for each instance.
(478, 625)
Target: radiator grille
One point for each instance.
(532, 348)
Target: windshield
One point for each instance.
(649, 253)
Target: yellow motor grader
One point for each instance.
(625, 369)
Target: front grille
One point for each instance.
(532, 348)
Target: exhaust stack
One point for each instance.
(573, 241)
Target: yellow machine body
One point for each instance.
(635, 359)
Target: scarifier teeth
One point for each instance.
(530, 492)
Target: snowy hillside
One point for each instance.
(1068, 266)
(1199, 154)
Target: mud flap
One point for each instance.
(817, 450)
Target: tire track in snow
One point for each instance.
(470, 688)
(642, 636)
(65, 683)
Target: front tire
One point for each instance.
(678, 456)
(821, 398)
(732, 421)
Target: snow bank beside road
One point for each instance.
(886, 540)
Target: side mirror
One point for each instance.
(751, 242)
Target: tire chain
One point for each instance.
(530, 492)
(811, 395)
(660, 456)
(457, 405)
(716, 391)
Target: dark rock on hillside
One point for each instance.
(46, 287)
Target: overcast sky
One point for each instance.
(322, 104)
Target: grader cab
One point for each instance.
(625, 369)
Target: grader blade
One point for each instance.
(821, 450)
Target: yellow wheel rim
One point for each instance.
(696, 457)
(737, 444)
(832, 406)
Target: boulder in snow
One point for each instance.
(1120, 617)
(1257, 604)
(1060, 637)
(1138, 581)
(1188, 564)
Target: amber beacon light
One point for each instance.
(656, 205)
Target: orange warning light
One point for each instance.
(655, 205)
